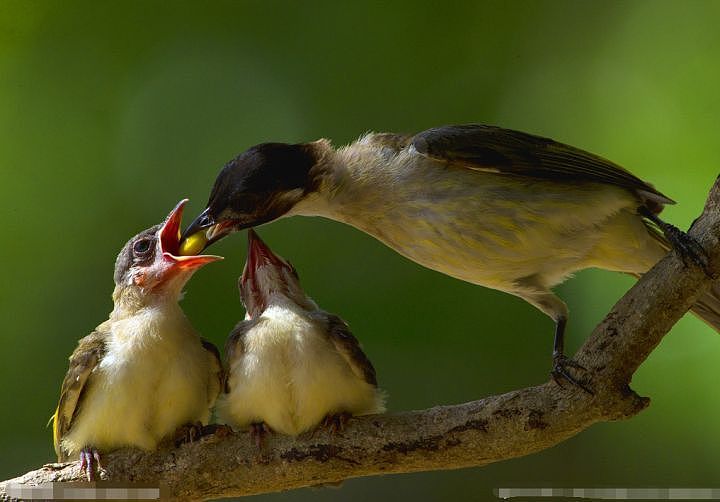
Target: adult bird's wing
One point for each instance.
(83, 361)
(504, 151)
(347, 346)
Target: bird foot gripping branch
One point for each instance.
(258, 432)
(561, 371)
(689, 249)
(188, 433)
(336, 422)
(90, 462)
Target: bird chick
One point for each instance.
(499, 208)
(290, 364)
(145, 371)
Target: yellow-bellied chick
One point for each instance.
(145, 372)
(291, 365)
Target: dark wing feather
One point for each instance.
(235, 345)
(493, 149)
(219, 382)
(83, 361)
(348, 346)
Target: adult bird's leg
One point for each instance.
(687, 247)
(561, 362)
(534, 292)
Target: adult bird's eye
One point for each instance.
(141, 247)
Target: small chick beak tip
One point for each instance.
(175, 216)
(260, 253)
(256, 247)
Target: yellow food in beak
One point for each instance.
(194, 244)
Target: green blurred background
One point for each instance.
(110, 112)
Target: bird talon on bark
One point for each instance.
(560, 372)
(188, 433)
(691, 250)
(217, 430)
(687, 247)
(90, 462)
(258, 432)
(336, 422)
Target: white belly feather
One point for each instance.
(485, 228)
(154, 378)
(290, 376)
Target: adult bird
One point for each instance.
(145, 372)
(500, 208)
(291, 365)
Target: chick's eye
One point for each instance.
(141, 247)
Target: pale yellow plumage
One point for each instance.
(512, 233)
(153, 377)
(291, 376)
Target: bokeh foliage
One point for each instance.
(110, 112)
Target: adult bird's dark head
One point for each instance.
(258, 186)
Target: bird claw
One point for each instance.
(188, 433)
(217, 430)
(89, 462)
(560, 372)
(258, 432)
(336, 422)
(688, 248)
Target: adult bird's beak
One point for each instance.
(170, 243)
(202, 232)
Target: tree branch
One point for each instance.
(472, 434)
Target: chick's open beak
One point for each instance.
(171, 246)
(259, 255)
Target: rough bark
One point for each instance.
(472, 434)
